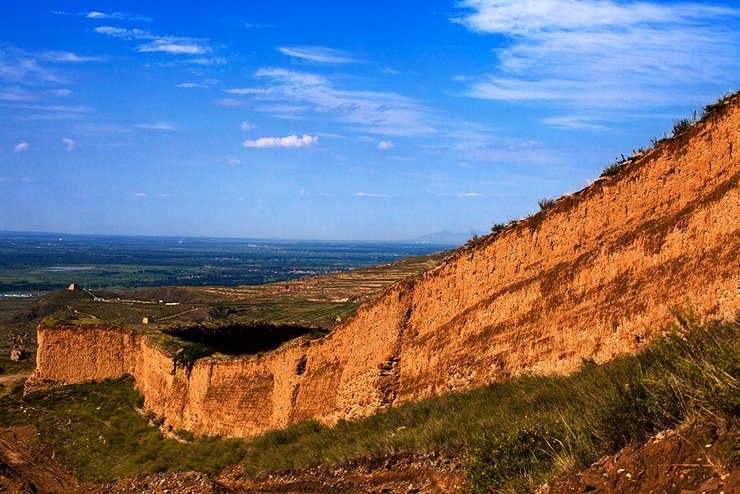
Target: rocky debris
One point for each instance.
(18, 354)
(166, 483)
(691, 460)
(27, 467)
(429, 473)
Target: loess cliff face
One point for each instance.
(588, 278)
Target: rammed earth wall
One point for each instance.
(589, 278)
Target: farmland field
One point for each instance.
(122, 280)
(42, 262)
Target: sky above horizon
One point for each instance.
(336, 120)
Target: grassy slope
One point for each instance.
(514, 435)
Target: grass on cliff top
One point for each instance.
(512, 436)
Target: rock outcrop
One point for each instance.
(588, 278)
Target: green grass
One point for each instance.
(98, 433)
(519, 433)
(513, 435)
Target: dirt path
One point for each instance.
(26, 467)
(11, 378)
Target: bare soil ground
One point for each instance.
(398, 474)
(687, 461)
(28, 467)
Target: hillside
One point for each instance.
(582, 280)
(595, 275)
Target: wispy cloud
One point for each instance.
(292, 94)
(228, 102)
(258, 25)
(166, 44)
(20, 67)
(166, 126)
(16, 94)
(291, 141)
(65, 56)
(247, 126)
(124, 33)
(208, 61)
(21, 147)
(475, 144)
(369, 194)
(69, 143)
(575, 122)
(385, 145)
(319, 54)
(207, 83)
(119, 16)
(604, 54)
(33, 110)
(172, 46)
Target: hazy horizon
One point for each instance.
(463, 236)
(336, 121)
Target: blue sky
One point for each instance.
(336, 120)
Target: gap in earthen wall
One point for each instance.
(243, 339)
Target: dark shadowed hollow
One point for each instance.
(240, 338)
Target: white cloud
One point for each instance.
(247, 126)
(140, 194)
(119, 16)
(369, 194)
(21, 147)
(259, 25)
(290, 94)
(604, 54)
(291, 141)
(21, 67)
(385, 145)
(189, 85)
(71, 144)
(228, 102)
(166, 44)
(167, 126)
(574, 122)
(208, 61)
(470, 195)
(318, 54)
(41, 111)
(245, 91)
(16, 95)
(178, 46)
(123, 33)
(66, 56)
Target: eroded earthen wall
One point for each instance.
(589, 278)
